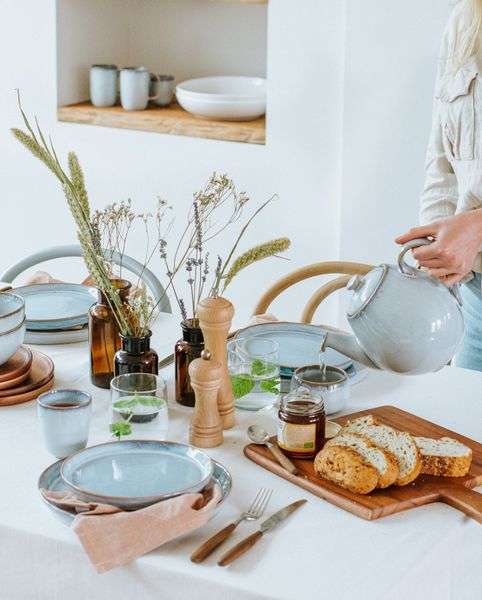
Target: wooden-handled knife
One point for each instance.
(247, 543)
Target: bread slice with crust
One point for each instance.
(347, 468)
(445, 457)
(384, 462)
(399, 443)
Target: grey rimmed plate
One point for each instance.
(53, 306)
(299, 344)
(51, 481)
(136, 473)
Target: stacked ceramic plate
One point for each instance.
(56, 313)
(25, 376)
(224, 98)
(132, 475)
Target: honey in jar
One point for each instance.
(301, 424)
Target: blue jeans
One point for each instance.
(469, 355)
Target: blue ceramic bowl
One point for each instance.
(12, 311)
(136, 473)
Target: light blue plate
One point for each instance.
(51, 306)
(51, 481)
(299, 344)
(136, 473)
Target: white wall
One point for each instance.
(391, 57)
(299, 161)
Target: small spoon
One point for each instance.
(259, 436)
(322, 357)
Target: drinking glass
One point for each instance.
(138, 407)
(254, 370)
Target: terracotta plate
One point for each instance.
(25, 397)
(8, 385)
(42, 371)
(17, 365)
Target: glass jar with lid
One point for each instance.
(301, 423)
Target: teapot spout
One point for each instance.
(348, 345)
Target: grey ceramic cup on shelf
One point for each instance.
(64, 417)
(134, 88)
(162, 86)
(334, 387)
(103, 85)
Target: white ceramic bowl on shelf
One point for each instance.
(230, 98)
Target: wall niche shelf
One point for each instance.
(187, 39)
(172, 120)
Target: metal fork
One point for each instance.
(254, 512)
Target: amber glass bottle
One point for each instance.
(186, 350)
(104, 339)
(136, 356)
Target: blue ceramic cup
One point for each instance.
(103, 85)
(64, 417)
(134, 88)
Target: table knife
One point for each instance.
(247, 543)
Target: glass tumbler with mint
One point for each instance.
(138, 408)
(254, 370)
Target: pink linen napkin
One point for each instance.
(112, 537)
(265, 318)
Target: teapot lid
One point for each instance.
(364, 289)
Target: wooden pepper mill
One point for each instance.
(215, 316)
(206, 430)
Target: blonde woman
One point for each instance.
(451, 202)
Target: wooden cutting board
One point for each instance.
(455, 491)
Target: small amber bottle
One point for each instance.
(301, 424)
(136, 355)
(104, 339)
(187, 350)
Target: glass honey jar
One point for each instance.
(301, 423)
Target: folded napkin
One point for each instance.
(112, 537)
(265, 318)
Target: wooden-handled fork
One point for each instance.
(254, 512)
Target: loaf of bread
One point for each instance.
(399, 443)
(384, 462)
(346, 467)
(445, 457)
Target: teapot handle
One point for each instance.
(404, 267)
(409, 271)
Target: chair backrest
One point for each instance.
(75, 250)
(315, 270)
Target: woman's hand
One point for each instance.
(456, 242)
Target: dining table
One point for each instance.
(321, 552)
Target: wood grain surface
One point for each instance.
(173, 120)
(455, 491)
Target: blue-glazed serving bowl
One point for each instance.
(136, 473)
(10, 341)
(12, 311)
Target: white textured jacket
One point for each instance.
(453, 181)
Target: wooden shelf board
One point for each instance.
(172, 120)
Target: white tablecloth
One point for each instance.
(321, 552)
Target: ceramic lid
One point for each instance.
(364, 288)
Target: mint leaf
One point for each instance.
(125, 404)
(270, 385)
(151, 401)
(242, 385)
(260, 368)
(120, 428)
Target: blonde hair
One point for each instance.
(466, 33)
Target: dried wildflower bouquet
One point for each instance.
(103, 235)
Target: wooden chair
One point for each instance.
(348, 269)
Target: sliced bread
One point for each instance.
(399, 443)
(445, 457)
(347, 468)
(384, 462)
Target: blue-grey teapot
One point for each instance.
(404, 320)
